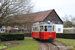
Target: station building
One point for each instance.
(24, 22)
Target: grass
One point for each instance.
(68, 42)
(1, 47)
(26, 44)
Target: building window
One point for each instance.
(59, 29)
(16, 27)
(2, 29)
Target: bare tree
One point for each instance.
(69, 21)
(11, 8)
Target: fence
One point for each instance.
(64, 35)
(69, 30)
(16, 31)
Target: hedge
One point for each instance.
(11, 36)
(27, 34)
(67, 36)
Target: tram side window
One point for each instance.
(35, 29)
(41, 28)
(45, 28)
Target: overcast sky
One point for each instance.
(62, 7)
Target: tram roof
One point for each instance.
(43, 24)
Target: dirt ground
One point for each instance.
(28, 38)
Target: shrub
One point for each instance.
(27, 34)
(67, 36)
(13, 36)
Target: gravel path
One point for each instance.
(43, 46)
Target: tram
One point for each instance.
(44, 31)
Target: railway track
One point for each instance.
(56, 46)
(52, 46)
(46, 45)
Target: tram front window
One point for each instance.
(45, 28)
(49, 28)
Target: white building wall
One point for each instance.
(59, 28)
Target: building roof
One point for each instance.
(42, 15)
(33, 17)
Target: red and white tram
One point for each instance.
(44, 31)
